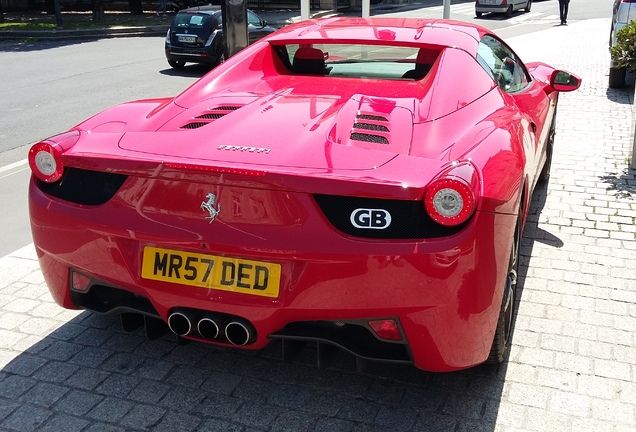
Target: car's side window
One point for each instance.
(253, 19)
(502, 64)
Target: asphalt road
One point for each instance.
(51, 86)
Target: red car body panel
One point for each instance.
(277, 144)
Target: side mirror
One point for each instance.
(564, 81)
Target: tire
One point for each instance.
(220, 58)
(509, 12)
(544, 177)
(478, 14)
(617, 77)
(176, 64)
(502, 341)
(528, 6)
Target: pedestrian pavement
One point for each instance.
(572, 365)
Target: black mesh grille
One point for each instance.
(370, 126)
(409, 219)
(377, 139)
(193, 125)
(213, 114)
(105, 299)
(372, 117)
(84, 187)
(355, 338)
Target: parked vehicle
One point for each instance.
(196, 36)
(501, 6)
(623, 12)
(358, 183)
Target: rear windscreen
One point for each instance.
(361, 60)
(192, 21)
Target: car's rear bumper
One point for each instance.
(444, 293)
(491, 8)
(191, 55)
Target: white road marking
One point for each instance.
(524, 17)
(13, 165)
(14, 172)
(470, 8)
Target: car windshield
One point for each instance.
(362, 61)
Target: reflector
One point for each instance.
(386, 329)
(79, 282)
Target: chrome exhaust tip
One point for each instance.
(179, 323)
(238, 333)
(208, 328)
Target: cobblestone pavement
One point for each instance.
(571, 367)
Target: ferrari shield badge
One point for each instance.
(209, 207)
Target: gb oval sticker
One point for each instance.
(370, 218)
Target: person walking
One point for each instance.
(563, 11)
(162, 7)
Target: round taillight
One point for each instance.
(449, 201)
(45, 161)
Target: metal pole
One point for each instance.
(366, 8)
(447, 9)
(304, 9)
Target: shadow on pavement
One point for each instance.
(190, 70)
(18, 46)
(621, 184)
(89, 373)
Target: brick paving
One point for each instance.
(571, 366)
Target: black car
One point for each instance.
(196, 36)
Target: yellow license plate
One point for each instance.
(211, 271)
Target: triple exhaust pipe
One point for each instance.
(214, 327)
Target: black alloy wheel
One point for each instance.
(528, 6)
(505, 324)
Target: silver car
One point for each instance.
(501, 6)
(624, 11)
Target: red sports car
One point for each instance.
(358, 183)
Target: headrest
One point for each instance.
(308, 53)
(426, 56)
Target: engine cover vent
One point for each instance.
(209, 116)
(374, 123)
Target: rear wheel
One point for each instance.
(617, 77)
(177, 64)
(528, 6)
(509, 12)
(221, 57)
(505, 324)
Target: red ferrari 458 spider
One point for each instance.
(358, 183)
